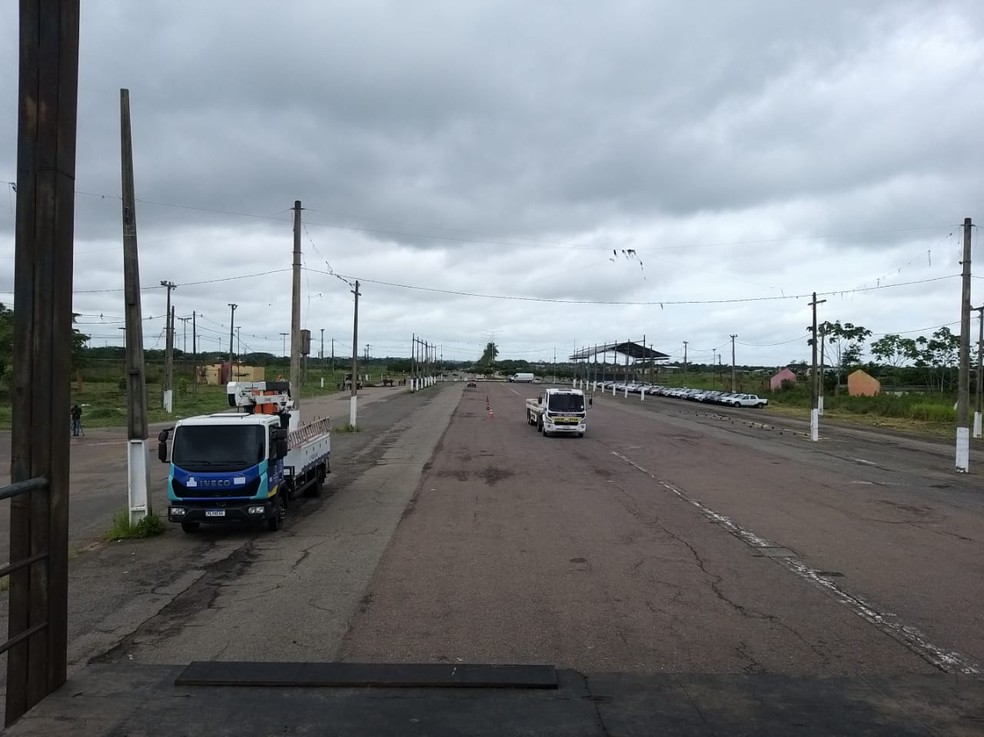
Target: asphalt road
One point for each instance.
(678, 538)
(673, 538)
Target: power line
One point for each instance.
(661, 303)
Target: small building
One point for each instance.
(862, 384)
(217, 374)
(784, 376)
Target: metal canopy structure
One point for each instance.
(634, 350)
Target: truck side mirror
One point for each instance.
(282, 448)
(162, 445)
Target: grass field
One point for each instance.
(104, 403)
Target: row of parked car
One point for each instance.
(709, 396)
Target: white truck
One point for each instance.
(746, 400)
(560, 411)
(244, 466)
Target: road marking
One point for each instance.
(946, 660)
(864, 462)
(515, 392)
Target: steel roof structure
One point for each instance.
(634, 350)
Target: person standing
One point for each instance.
(76, 420)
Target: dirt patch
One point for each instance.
(492, 475)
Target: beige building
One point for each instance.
(862, 384)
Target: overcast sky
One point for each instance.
(551, 175)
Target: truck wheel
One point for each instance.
(580, 434)
(314, 490)
(189, 527)
(276, 520)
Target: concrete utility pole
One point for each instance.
(194, 351)
(167, 397)
(980, 377)
(322, 352)
(283, 343)
(733, 385)
(353, 402)
(685, 357)
(232, 322)
(814, 409)
(823, 340)
(333, 359)
(295, 311)
(138, 472)
(40, 390)
(963, 390)
(184, 333)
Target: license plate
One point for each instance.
(215, 513)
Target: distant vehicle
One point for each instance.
(471, 385)
(558, 411)
(522, 378)
(747, 400)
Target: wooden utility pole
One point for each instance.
(353, 413)
(963, 390)
(295, 310)
(40, 383)
(814, 409)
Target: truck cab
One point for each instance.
(558, 411)
(245, 466)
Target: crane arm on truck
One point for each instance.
(260, 397)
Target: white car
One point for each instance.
(747, 400)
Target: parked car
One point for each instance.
(747, 400)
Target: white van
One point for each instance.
(522, 378)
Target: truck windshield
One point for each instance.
(214, 448)
(566, 403)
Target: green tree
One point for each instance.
(847, 343)
(940, 354)
(487, 361)
(6, 341)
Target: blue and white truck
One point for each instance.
(244, 466)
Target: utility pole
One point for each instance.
(332, 359)
(194, 351)
(295, 312)
(684, 358)
(138, 473)
(353, 402)
(167, 397)
(733, 385)
(963, 390)
(184, 333)
(40, 391)
(823, 373)
(322, 356)
(283, 343)
(239, 345)
(232, 322)
(814, 409)
(980, 377)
